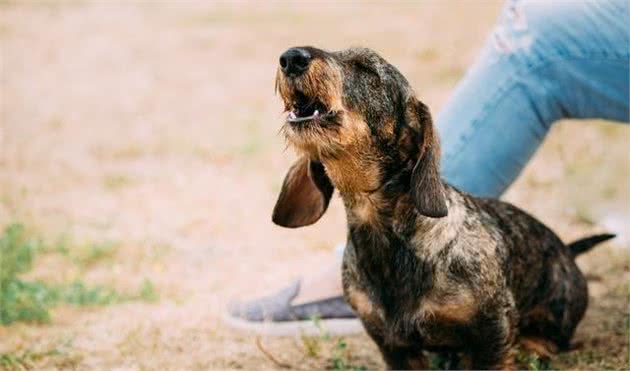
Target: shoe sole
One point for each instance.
(337, 326)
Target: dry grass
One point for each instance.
(155, 126)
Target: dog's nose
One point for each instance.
(295, 61)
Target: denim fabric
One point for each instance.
(543, 62)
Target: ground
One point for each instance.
(139, 143)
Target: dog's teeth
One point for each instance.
(316, 113)
(292, 115)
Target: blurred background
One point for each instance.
(140, 159)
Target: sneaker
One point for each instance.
(275, 315)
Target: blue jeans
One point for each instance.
(543, 62)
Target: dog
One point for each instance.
(426, 267)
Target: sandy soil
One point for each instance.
(155, 126)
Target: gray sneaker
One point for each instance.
(275, 315)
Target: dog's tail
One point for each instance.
(581, 246)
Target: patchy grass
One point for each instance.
(529, 361)
(25, 301)
(147, 292)
(19, 300)
(60, 356)
(330, 352)
(85, 255)
(318, 352)
(31, 301)
(340, 358)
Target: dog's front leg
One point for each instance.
(400, 358)
(496, 335)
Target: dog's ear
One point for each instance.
(305, 195)
(427, 189)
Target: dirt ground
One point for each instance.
(155, 127)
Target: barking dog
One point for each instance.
(426, 266)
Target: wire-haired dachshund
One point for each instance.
(426, 267)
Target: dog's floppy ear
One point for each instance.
(427, 189)
(305, 195)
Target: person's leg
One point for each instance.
(542, 62)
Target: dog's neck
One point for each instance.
(350, 175)
(371, 197)
(385, 207)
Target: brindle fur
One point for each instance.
(426, 267)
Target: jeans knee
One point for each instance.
(513, 36)
(544, 30)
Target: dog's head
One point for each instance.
(357, 125)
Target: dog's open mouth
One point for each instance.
(305, 110)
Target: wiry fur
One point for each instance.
(426, 267)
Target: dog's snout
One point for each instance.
(295, 61)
